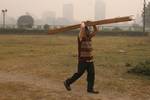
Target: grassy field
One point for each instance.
(34, 67)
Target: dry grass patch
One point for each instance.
(54, 57)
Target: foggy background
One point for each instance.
(69, 11)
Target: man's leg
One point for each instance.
(77, 75)
(90, 75)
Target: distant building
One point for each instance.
(62, 21)
(138, 20)
(25, 21)
(49, 18)
(100, 9)
(68, 12)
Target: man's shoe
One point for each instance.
(93, 92)
(67, 86)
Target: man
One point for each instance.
(85, 58)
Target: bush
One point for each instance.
(116, 29)
(141, 68)
(46, 26)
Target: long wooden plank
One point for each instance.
(100, 22)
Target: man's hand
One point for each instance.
(82, 30)
(82, 24)
(94, 31)
(87, 22)
(95, 28)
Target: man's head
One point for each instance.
(87, 30)
(84, 25)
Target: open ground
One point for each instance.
(33, 67)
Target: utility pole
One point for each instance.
(4, 15)
(144, 13)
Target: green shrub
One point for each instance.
(141, 68)
(117, 29)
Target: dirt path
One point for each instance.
(31, 80)
(34, 81)
(59, 89)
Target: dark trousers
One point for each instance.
(82, 67)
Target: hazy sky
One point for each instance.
(83, 9)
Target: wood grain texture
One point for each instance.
(99, 22)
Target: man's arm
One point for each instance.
(94, 31)
(82, 31)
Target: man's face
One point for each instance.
(87, 31)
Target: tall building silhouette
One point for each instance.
(100, 9)
(49, 17)
(68, 12)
